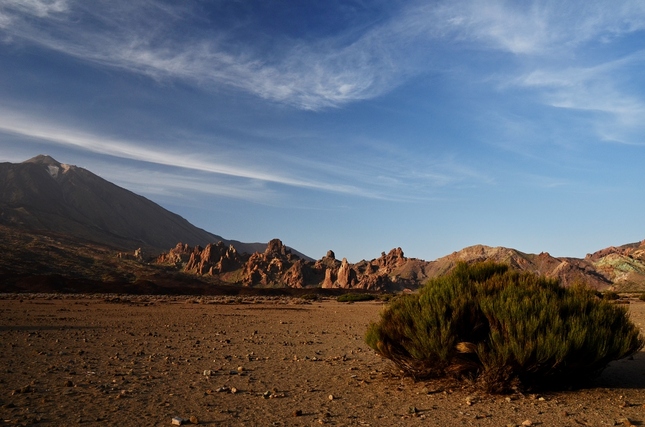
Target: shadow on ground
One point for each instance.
(624, 373)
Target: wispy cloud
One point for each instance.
(538, 27)
(323, 73)
(183, 186)
(601, 90)
(148, 38)
(31, 127)
(561, 52)
(39, 8)
(383, 172)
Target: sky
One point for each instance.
(357, 126)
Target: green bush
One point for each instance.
(641, 297)
(355, 297)
(503, 329)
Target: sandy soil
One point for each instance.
(141, 361)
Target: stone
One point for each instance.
(177, 421)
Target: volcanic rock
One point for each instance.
(278, 266)
(213, 259)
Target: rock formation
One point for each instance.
(620, 268)
(624, 266)
(278, 266)
(211, 260)
(214, 259)
(177, 256)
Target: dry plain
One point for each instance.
(140, 361)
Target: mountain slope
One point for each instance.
(43, 194)
(623, 265)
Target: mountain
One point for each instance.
(64, 229)
(44, 195)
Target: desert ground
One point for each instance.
(254, 361)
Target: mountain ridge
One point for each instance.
(612, 268)
(62, 224)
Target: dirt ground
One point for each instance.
(140, 361)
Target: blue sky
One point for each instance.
(356, 126)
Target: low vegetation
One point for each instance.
(503, 330)
(354, 297)
(610, 296)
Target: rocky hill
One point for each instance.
(624, 266)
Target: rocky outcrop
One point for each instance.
(624, 266)
(621, 268)
(177, 256)
(278, 266)
(137, 255)
(343, 277)
(391, 272)
(213, 259)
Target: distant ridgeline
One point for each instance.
(63, 221)
(621, 268)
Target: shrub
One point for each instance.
(355, 297)
(386, 297)
(309, 297)
(610, 296)
(503, 329)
